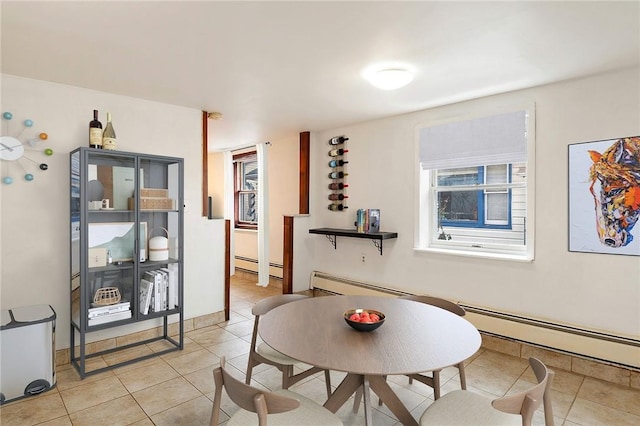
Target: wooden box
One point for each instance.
(154, 193)
(97, 257)
(149, 203)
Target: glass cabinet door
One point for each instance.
(108, 236)
(159, 209)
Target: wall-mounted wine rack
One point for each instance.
(337, 173)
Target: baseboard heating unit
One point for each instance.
(251, 265)
(609, 348)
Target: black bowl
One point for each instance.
(364, 326)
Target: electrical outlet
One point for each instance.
(364, 258)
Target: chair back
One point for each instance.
(527, 402)
(247, 397)
(268, 303)
(264, 306)
(438, 302)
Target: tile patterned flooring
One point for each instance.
(177, 388)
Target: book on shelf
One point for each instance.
(165, 288)
(368, 220)
(374, 220)
(156, 279)
(116, 316)
(100, 310)
(146, 292)
(172, 286)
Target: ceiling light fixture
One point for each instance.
(389, 78)
(215, 115)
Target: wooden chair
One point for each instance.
(463, 407)
(434, 379)
(265, 354)
(259, 407)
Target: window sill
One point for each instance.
(477, 254)
(247, 230)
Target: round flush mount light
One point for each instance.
(389, 78)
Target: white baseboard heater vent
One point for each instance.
(251, 265)
(609, 348)
(337, 285)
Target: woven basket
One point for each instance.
(107, 296)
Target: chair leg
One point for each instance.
(410, 380)
(327, 382)
(463, 378)
(287, 372)
(436, 385)
(250, 366)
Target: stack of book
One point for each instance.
(101, 314)
(368, 220)
(159, 290)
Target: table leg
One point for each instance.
(349, 385)
(368, 419)
(380, 386)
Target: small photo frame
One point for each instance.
(604, 196)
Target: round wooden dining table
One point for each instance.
(414, 338)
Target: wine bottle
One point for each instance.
(337, 175)
(334, 197)
(95, 131)
(337, 163)
(337, 140)
(335, 186)
(109, 135)
(336, 152)
(337, 207)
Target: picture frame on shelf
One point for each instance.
(118, 238)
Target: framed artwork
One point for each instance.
(117, 237)
(604, 196)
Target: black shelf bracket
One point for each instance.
(332, 239)
(378, 244)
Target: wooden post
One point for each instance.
(287, 256)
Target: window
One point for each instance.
(245, 168)
(474, 187)
(473, 197)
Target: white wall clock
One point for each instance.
(13, 152)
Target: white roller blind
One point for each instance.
(498, 139)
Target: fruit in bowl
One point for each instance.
(364, 319)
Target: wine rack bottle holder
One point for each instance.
(337, 173)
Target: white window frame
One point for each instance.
(503, 189)
(240, 161)
(426, 225)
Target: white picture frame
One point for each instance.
(118, 238)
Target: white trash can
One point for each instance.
(27, 351)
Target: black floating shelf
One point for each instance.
(376, 237)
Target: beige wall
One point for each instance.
(34, 216)
(588, 290)
(216, 183)
(283, 196)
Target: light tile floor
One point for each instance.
(177, 388)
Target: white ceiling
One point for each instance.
(278, 68)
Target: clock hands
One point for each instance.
(10, 148)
